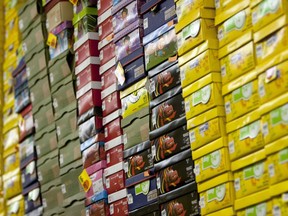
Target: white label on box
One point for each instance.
(87, 212)
(271, 170)
(107, 183)
(125, 139)
(101, 55)
(38, 149)
(58, 131)
(158, 183)
(63, 189)
(21, 24)
(55, 103)
(202, 202)
(227, 107)
(102, 81)
(217, 4)
(182, 74)
(40, 176)
(108, 158)
(61, 159)
(24, 47)
(130, 199)
(197, 169)
(265, 130)
(76, 56)
(145, 23)
(223, 70)
(187, 105)
(26, 204)
(285, 197)
(111, 209)
(51, 76)
(78, 81)
(153, 149)
(152, 86)
(163, 212)
(99, 4)
(32, 97)
(28, 71)
(100, 30)
(29, 123)
(237, 184)
(106, 132)
(103, 106)
(231, 147)
(126, 167)
(44, 203)
(261, 90)
(276, 210)
(23, 178)
(192, 136)
(259, 50)
(47, 24)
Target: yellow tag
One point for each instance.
(74, 2)
(52, 40)
(85, 180)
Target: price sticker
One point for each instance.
(85, 180)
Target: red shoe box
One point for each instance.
(111, 103)
(106, 28)
(114, 155)
(93, 154)
(89, 74)
(115, 182)
(113, 130)
(89, 61)
(119, 208)
(26, 125)
(99, 208)
(86, 47)
(108, 82)
(90, 99)
(103, 6)
(107, 53)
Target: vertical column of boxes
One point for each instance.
(88, 94)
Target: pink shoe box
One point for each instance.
(113, 130)
(89, 74)
(86, 47)
(95, 173)
(111, 103)
(107, 53)
(103, 6)
(90, 99)
(115, 182)
(106, 28)
(119, 208)
(108, 83)
(114, 155)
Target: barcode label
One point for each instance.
(227, 107)
(237, 184)
(107, 183)
(111, 209)
(106, 131)
(108, 158)
(44, 203)
(202, 202)
(51, 76)
(231, 147)
(271, 170)
(61, 159)
(39, 176)
(63, 188)
(55, 103)
(145, 23)
(158, 183)
(28, 71)
(130, 199)
(125, 139)
(58, 131)
(126, 167)
(187, 106)
(153, 149)
(223, 70)
(265, 130)
(192, 136)
(21, 24)
(197, 169)
(100, 30)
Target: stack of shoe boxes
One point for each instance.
(88, 94)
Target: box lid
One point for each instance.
(86, 11)
(84, 38)
(248, 160)
(279, 189)
(64, 25)
(271, 105)
(227, 212)
(226, 177)
(277, 146)
(137, 149)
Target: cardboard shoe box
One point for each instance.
(26, 124)
(27, 153)
(83, 4)
(90, 128)
(53, 200)
(46, 142)
(105, 28)
(12, 184)
(113, 130)
(89, 99)
(32, 197)
(69, 153)
(100, 208)
(111, 103)
(29, 174)
(16, 205)
(107, 53)
(22, 100)
(43, 117)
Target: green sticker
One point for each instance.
(142, 188)
(217, 193)
(266, 7)
(279, 115)
(256, 210)
(201, 96)
(283, 156)
(211, 160)
(191, 30)
(243, 93)
(236, 22)
(255, 171)
(250, 131)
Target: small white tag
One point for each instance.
(153, 150)
(107, 183)
(202, 202)
(111, 206)
(51, 76)
(182, 74)
(192, 136)
(126, 167)
(38, 149)
(223, 70)
(103, 106)
(39, 176)
(61, 159)
(36, 124)
(76, 56)
(158, 183)
(265, 130)
(152, 86)
(55, 103)
(108, 158)
(100, 30)
(44, 203)
(63, 189)
(145, 23)
(271, 170)
(227, 107)
(276, 211)
(58, 131)
(24, 47)
(87, 212)
(21, 24)
(28, 71)
(102, 81)
(125, 139)
(197, 169)
(187, 106)
(130, 199)
(285, 197)
(237, 184)
(163, 212)
(231, 147)
(106, 132)
(101, 55)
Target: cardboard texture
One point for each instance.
(75, 209)
(46, 142)
(29, 174)
(114, 155)
(163, 12)
(48, 169)
(119, 207)
(142, 194)
(170, 143)
(113, 130)
(64, 34)
(60, 68)
(34, 36)
(139, 160)
(43, 117)
(62, 11)
(66, 126)
(163, 78)
(50, 204)
(69, 153)
(32, 197)
(40, 93)
(136, 132)
(160, 49)
(99, 208)
(84, 22)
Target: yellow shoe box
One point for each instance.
(271, 40)
(216, 194)
(184, 9)
(203, 95)
(196, 33)
(206, 127)
(11, 159)
(274, 118)
(237, 58)
(16, 206)
(250, 174)
(199, 62)
(211, 160)
(12, 184)
(267, 11)
(279, 198)
(233, 22)
(255, 204)
(227, 212)
(11, 139)
(244, 135)
(273, 78)
(277, 156)
(241, 96)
